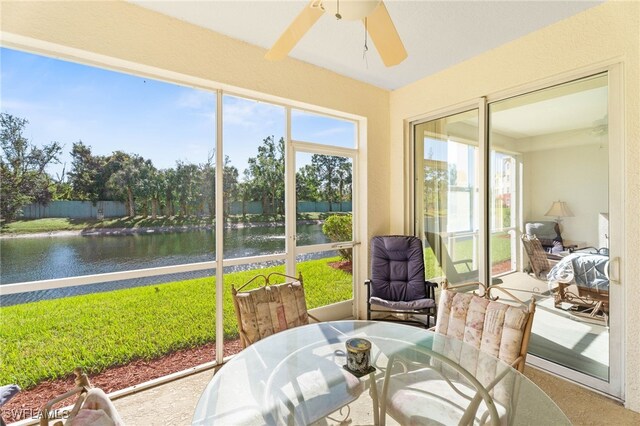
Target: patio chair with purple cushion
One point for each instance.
(397, 288)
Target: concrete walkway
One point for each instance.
(169, 404)
(174, 403)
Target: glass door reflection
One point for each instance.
(549, 204)
(446, 194)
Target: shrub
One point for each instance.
(338, 228)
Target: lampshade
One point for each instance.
(559, 209)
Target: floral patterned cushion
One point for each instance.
(497, 329)
(484, 333)
(424, 397)
(270, 309)
(493, 327)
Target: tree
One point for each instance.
(344, 179)
(62, 189)
(187, 187)
(22, 168)
(265, 175)
(144, 189)
(208, 183)
(335, 176)
(156, 188)
(125, 179)
(245, 194)
(88, 176)
(436, 182)
(230, 186)
(339, 228)
(170, 179)
(307, 184)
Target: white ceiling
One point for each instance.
(582, 110)
(436, 34)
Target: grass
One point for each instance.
(500, 251)
(32, 226)
(48, 339)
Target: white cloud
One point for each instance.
(248, 113)
(330, 131)
(196, 99)
(21, 108)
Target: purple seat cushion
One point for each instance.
(397, 268)
(402, 305)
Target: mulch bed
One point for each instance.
(28, 403)
(499, 268)
(343, 265)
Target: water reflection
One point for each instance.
(35, 259)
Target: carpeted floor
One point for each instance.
(582, 406)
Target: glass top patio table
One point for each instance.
(272, 381)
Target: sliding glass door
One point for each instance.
(519, 193)
(447, 189)
(556, 142)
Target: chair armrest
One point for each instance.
(552, 257)
(430, 288)
(368, 284)
(467, 263)
(553, 261)
(586, 250)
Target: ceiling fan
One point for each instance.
(378, 24)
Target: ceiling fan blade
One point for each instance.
(292, 35)
(385, 36)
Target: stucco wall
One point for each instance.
(607, 32)
(128, 32)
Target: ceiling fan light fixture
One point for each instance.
(351, 10)
(378, 26)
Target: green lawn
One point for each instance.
(500, 251)
(48, 339)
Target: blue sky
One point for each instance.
(109, 111)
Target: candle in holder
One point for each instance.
(358, 351)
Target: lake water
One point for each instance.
(35, 259)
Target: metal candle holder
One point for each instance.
(358, 357)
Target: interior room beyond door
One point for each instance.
(549, 197)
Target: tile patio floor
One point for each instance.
(174, 403)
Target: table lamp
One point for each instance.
(559, 209)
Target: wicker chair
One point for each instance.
(540, 261)
(92, 407)
(515, 327)
(548, 232)
(270, 308)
